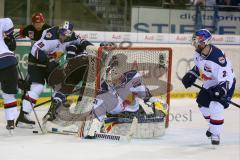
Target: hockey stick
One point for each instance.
(223, 99)
(96, 135)
(40, 104)
(36, 64)
(35, 114)
(105, 136)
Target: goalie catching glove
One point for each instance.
(157, 104)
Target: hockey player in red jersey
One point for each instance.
(215, 70)
(34, 31)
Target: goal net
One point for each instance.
(154, 64)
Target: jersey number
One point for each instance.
(40, 45)
(224, 73)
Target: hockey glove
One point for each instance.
(161, 107)
(188, 79)
(51, 65)
(23, 85)
(57, 54)
(71, 51)
(217, 92)
(10, 42)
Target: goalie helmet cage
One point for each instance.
(157, 60)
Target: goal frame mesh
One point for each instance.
(169, 72)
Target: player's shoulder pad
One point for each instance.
(51, 33)
(73, 37)
(217, 56)
(29, 28)
(130, 74)
(46, 26)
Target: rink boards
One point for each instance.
(182, 61)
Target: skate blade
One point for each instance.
(24, 125)
(10, 131)
(214, 147)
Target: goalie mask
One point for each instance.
(114, 73)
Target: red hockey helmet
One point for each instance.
(38, 18)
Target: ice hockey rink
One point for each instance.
(184, 140)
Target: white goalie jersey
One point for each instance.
(127, 96)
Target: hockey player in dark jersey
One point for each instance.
(73, 71)
(34, 31)
(43, 58)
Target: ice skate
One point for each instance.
(215, 139)
(10, 126)
(51, 114)
(24, 121)
(208, 133)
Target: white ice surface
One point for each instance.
(184, 140)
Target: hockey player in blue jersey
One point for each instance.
(8, 70)
(215, 70)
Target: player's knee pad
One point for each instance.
(216, 111)
(10, 106)
(37, 88)
(8, 98)
(205, 112)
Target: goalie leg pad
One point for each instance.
(145, 128)
(91, 127)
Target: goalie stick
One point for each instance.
(105, 136)
(96, 135)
